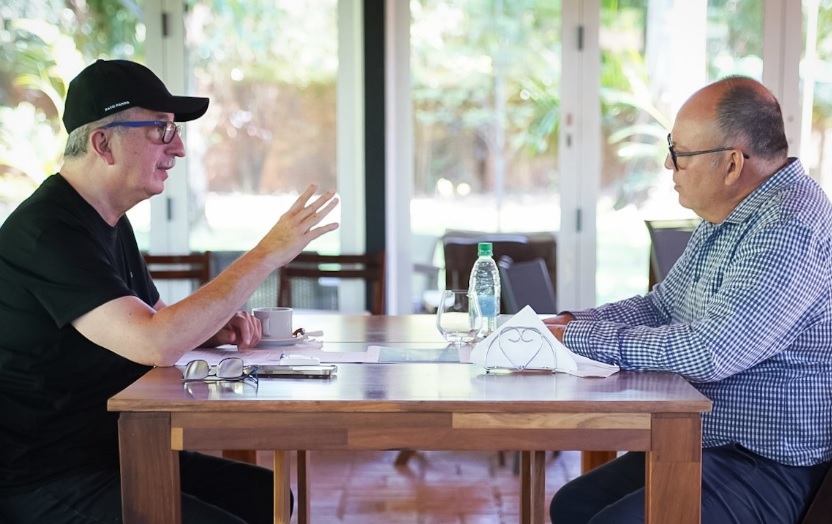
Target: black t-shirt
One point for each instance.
(58, 261)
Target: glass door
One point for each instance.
(649, 66)
(270, 70)
(816, 95)
(485, 85)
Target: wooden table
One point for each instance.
(432, 406)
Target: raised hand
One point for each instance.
(296, 228)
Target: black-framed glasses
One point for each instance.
(674, 155)
(228, 369)
(167, 129)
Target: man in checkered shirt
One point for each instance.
(745, 315)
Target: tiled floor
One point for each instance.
(436, 487)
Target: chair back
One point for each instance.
(526, 284)
(460, 251)
(195, 267)
(668, 239)
(368, 267)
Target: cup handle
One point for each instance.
(264, 325)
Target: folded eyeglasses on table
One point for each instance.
(228, 369)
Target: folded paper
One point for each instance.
(524, 343)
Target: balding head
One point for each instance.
(745, 111)
(728, 139)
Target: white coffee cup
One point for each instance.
(276, 321)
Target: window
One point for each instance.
(43, 45)
(485, 90)
(270, 70)
(648, 69)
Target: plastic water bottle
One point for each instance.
(484, 285)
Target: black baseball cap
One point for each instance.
(107, 87)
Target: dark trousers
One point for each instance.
(214, 491)
(738, 487)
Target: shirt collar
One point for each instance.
(786, 176)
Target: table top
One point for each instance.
(410, 387)
(371, 328)
(416, 387)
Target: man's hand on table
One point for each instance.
(557, 324)
(242, 330)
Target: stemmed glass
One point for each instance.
(458, 317)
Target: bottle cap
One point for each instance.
(484, 249)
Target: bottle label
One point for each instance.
(488, 306)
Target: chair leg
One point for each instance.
(304, 495)
(592, 459)
(242, 455)
(403, 457)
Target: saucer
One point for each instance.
(277, 342)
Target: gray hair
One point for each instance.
(750, 111)
(76, 144)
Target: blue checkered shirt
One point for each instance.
(745, 315)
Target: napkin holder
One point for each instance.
(519, 348)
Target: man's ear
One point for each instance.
(736, 161)
(100, 143)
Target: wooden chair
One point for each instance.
(368, 267)
(460, 251)
(193, 266)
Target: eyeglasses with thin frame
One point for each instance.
(676, 154)
(228, 369)
(167, 129)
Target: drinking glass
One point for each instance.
(458, 317)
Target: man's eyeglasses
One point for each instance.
(674, 155)
(167, 129)
(231, 368)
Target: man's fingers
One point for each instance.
(301, 211)
(300, 202)
(320, 214)
(318, 231)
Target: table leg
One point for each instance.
(303, 487)
(532, 487)
(673, 483)
(538, 486)
(281, 487)
(150, 484)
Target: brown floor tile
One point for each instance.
(436, 487)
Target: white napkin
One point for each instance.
(524, 342)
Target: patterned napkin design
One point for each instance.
(524, 343)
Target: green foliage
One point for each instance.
(479, 67)
(264, 40)
(822, 68)
(43, 44)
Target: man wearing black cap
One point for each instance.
(80, 318)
